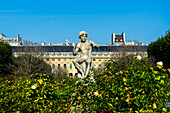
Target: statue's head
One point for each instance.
(83, 35)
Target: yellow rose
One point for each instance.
(154, 105)
(40, 81)
(124, 79)
(79, 98)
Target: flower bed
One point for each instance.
(138, 88)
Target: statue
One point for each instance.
(84, 62)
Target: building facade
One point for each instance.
(61, 55)
(11, 41)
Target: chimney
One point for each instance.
(123, 35)
(141, 43)
(113, 38)
(42, 43)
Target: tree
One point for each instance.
(28, 64)
(5, 56)
(160, 49)
(28, 60)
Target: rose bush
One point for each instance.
(139, 87)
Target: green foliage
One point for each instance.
(160, 49)
(139, 88)
(5, 56)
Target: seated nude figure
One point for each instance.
(83, 63)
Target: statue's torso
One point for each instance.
(86, 48)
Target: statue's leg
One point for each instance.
(78, 66)
(88, 65)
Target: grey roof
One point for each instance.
(69, 48)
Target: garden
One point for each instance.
(137, 88)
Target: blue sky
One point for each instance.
(57, 20)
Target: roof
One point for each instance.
(69, 48)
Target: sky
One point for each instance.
(55, 21)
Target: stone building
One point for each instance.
(11, 41)
(61, 55)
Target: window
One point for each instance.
(47, 59)
(64, 66)
(70, 66)
(70, 53)
(100, 66)
(93, 53)
(94, 59)
(70, 59)
(53, 66)
(58, 59)
(53, 53)
(99, 53)
(53, 59)
(59, 66)
(64, 53)
(64, 59)
(58, 53)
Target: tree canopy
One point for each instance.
(5, 56)
(160, 49)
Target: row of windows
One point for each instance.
(58, 59)
(59, 66)
(71, 59)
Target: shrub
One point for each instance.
(160, 49)
(139, 87)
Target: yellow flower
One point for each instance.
(156, 72)
(70, 108)
(136, 112)
(124, 83)
(17, 112)
(159, 66)
(169, 70)
(18, 102)
(79, 98)
(121, 72)
(40, 81)
(155, 89)
(51, 103)
(127, 100)
(116, 98)
(130, 109)
(151, 68)
(99, 95)
(90, 74)
(164, 69)
(128, 95)
(124, 79)
(61, 93)
(154, 105)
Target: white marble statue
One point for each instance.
(84, 62)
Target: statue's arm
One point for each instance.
(75, 49)
(94, 45)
